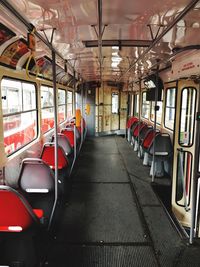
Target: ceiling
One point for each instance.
(127, 28)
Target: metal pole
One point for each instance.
(139, 115)
(55, 134)
(82, 110)
(155, 121)
(168, 28)
(74, 151)
(100, 35)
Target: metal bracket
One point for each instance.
(52, 34)
(151, 32)
(95, 29)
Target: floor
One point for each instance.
(113, 217)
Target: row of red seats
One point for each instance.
(147, 141)
(20, 209)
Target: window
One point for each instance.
(47, 108)
(145, 106)
(136, 105)
(19, 113)
(170, 108)
(158, 113)
(69, 104)
(61, 105)
(115, 103)
(187, 113)
(183, 182)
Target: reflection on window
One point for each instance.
(19, 113)
(170, 108)
(47, 108)
(61, 105)
(183, 182)
(188, 99)
(158, 113)
(115, 103)
(136, 105)
(69, 104)
(145, 106)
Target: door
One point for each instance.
(184, 151)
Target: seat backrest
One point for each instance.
(63, 142)
(144, 131)
(16, 214)
(148, 139)
(77, 132)
(131, 121)
(138, 128)
(48, 156)
(163, 145)
(36, 176)
(69, 133)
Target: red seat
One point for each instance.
(149, 139)
(48, 156)
(131, 121)
(69, 133)
(16, 214)
(138, 128)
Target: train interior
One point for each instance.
(99, 133)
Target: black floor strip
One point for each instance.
(113, 244)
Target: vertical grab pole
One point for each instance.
(82, 110)
(55, 134)
(74, 151)
(139, 115)
(155, 121)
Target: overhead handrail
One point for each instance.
(165, 31)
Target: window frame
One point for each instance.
(151, 112)
(72, 103)
(176, 192)
(149, 103)
(164, 122)
(23, 111)
(136, 102)
(181, 145)
(115, 94)
(48, 107)
(65, 104)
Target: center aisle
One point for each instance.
(102, 225)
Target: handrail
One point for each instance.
(55, 136)
(197, 212)
(74, 159)
(181, 151)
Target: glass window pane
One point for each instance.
(158, 113)
(29, 96)
(145, 106)
(61, 97)
(115, 102)
(46, 96)
(19, 130)
(61, 113)
(188, 101)
(69, 104)
(11, 89)
(136, 105)
(183, 182)
(47, 119)
(170, 108)
(47, 108)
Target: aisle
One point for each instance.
(113, 218)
